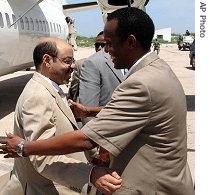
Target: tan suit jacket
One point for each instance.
(40, 114)
(144, 129)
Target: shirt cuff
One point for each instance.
(89, 182)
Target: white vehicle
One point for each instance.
(185, 42)
(23, 23)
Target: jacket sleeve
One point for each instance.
(89, 89)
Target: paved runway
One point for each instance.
(12, 85)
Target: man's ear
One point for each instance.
(131, 41)
(47, 60)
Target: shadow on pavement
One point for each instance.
(190, 150)
(190, 68)
(190, 103)
(10, 90)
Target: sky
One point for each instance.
(177, 14)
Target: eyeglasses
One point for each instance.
(67, 60)
(98, 44)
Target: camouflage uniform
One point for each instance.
(156, 46)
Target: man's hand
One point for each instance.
(105, 180)
(81, 111)
(78, 110)
(9, 145)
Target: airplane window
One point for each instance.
(8, 20)
(47, 26)
(14, 19)
(51, 29)
(1, 21)
(41, 27)
(44, 27)
(59, 28)
(37, 25)
(32, 23)
(54, 27)
(27, 23)
(119, 3)
(21, 23)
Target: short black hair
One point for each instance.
(101, 33)
(67, 19)
(43, 48)
(134, 21)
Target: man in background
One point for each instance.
(98, 80)
(72, 36)
(156, 46)
(73, 92)
(98, 77)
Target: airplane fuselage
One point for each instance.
(18, 39)
(24, 22)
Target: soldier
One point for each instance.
(156, 46)
(187, 33)
(71, 39)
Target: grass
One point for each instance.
(83, 41)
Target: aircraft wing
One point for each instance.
(79, 6)
(105, 5)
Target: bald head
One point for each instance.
(52, 39)
(51, 46)
(53, 58)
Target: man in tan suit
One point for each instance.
(41, 113)
(144, 124)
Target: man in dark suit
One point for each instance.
(73, 92)
(98, 80)
(98, 67)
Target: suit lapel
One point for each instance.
(67, 112)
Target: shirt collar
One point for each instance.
(52, 83)
(137, 62)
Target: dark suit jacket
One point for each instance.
(73, 92)
(98, 80)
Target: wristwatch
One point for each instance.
(20, 147)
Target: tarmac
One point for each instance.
(11, 86)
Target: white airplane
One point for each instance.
(24, 22)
